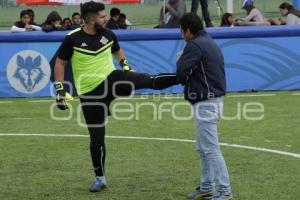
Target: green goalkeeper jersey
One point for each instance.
(91, 57)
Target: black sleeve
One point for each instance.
(65, 50)
(47, 28)
(116, 47)
(19, 24)
(187, 62)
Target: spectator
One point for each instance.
(123, 23)
(24, 23)
(32, 17)
(114, 18)
(254, 16)
(53, 22)
(174, 10)
(293, 15)
(67, 22)
(227, 20)
(76, 19)
(204, 8)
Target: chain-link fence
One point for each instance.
(141, 15)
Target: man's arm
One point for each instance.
(120, 57)
(251, 15)
(178, 10)
(61, 95)
(187, 62)
(15, 29)
(161, 17)
(37, 28)
(59, 69)
(64, 54)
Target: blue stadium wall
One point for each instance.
(256, 58)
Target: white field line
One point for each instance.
(251, 95)
(154, 98)
(22, 118)
(5, 102)
(296, 94)
(46, 101)
(295, 155)
(42, 101)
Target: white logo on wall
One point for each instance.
(28, 71)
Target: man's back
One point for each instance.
(207, 76)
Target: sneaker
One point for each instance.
(199, 195)
(224, 197)
(97, 185)
(227, 197)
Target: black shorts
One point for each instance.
(95, 104)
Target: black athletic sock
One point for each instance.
(156, 82)
(163, 81)
(98, 159)
(98, 151)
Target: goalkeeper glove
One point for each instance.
(124, 64)
(62, 96)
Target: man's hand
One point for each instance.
(168, 7)
(62, 96)
(124, 64)
(28, 27)
(57, 24)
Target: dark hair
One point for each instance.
(122, 16)
(75, 14)
(249, 8)
(114, 12)
(224, 20)
(52, 17)
(290, 8)
(67, 18)
(91, 8)
(30, 11)
(24, 12)
(191, 21)
(286, 5)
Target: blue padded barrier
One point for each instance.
(161, 34)
(256, 58)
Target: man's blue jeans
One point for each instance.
(213, 167)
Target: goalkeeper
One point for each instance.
(90, 50)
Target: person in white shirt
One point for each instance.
(254, 16)
(25, 23)
(293, 15)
